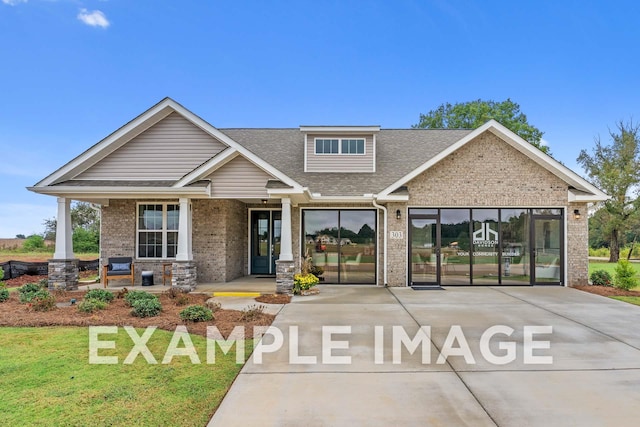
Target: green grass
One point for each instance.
(630, 300)
(48, 381)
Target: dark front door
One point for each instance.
(265, 241)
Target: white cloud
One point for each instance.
(94, 19)
(544, 142)
(13, 2)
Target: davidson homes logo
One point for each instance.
(486, 236)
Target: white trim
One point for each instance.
(145, 121)
(339, 129)
(164, 229)
(111, 143)
(516, 142)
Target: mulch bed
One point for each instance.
(608, 291)
(274, 299)
(13, 313)
(25, 278)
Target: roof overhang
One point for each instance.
(340, 129)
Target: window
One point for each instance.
(158, 230)
(340, 146)
(353, 146)
(326, 146)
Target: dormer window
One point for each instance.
(340, 146)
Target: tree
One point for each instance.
(615, 169)
(85, 223)
(473, 114)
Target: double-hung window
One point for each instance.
(157, 230)
(339, 145)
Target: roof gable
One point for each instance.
(167, 150)
(572, 179)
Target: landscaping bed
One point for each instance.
(118, 313)
(608, 291)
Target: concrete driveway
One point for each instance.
(555, 357)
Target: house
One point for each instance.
(418, 207)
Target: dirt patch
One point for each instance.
(608, 291)
(12, 313)
(274, 299)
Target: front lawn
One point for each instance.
(47, 380)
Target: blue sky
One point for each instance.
(72, 72)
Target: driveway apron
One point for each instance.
(351, 356)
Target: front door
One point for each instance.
(265, 241)
(425, 251)
(547, 250)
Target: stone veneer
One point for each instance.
(63, 274)
(284, 276)
(184, 275)
(487, 172)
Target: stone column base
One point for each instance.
(284, 277)
(184, 275)
(63, 274)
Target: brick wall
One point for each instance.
(487, 172)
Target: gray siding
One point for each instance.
(340, 162)
(167, 151)
(239, 179)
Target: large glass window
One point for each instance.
(485, 247)
(158, 230)
(514, 227)
(342, 243)
(455, 246)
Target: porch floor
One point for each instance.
(261, 284)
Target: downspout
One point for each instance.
(384, 209)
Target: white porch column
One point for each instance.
(184, 232)
(64, 242)
(286, 252)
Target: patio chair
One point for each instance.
(118, 268)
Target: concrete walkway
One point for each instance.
(592, 380)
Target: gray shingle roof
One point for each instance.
(398, 152)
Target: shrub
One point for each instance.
(132, 296)
(624, 275)
(42, 301)
(182, 300)
(252, 312)
(29, 291)
(4, 294)
(196, 313)
(601, 278)
(213, 305)
(99, 294)
(146, 307)
(89, 305)
(33, 243)
(174, 292)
